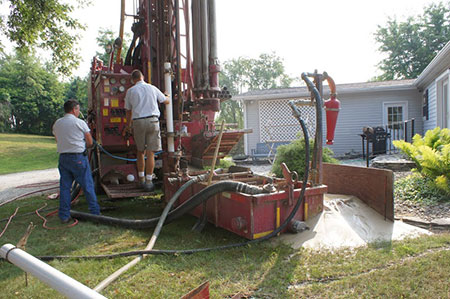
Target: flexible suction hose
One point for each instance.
(186, 207)
(191, 251)
(152, 241)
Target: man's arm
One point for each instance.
(88, 139)
(129, 115)
(167, 100)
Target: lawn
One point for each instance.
(409, 268)
(19, 152)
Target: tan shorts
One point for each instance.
(146, 134)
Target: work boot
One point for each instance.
(148, 186)
(142, 183)
(65, 221)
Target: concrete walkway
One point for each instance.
(25, 184)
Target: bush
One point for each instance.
(416, 187)
(293, 155)
(431, 155)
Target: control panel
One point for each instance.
(110, 110)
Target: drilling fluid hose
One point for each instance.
(194, 201)
(186, 207)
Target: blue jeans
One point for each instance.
(75, 167)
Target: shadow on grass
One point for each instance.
(258, 268)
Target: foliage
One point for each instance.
(242, 74)
(418, 188)
(105, 40)
(264, 72)
(431, 155)
(44, 24)
(221, 163)
(412, 44)
(78, 89)
(294, 154)
(5, 111)
(35, 94)
(19, 152)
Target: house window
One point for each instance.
(425, 106)
(395, 116)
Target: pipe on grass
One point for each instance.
(102, 285)
(57, 280)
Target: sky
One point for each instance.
(328, 35)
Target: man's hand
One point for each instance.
(127, 131)
(167, 101)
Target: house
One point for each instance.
(385, 104)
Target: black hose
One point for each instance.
(190, 251)
(186, 207)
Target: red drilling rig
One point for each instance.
(174, 44)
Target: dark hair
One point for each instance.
(69, 105)
(136, 75)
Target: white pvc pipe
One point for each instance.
(169, 109)
(59, 281)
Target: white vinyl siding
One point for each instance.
(357, 110)
(431, 123)
(360, 110)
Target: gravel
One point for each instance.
(24, 184)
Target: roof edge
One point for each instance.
(427, 72)
(304, 93)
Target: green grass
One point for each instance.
(410, 268)
(19, 152)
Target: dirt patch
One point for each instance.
(420, 210)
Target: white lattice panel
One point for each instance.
(277, 122)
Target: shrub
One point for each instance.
(293, 155)
(416, 187)
(431, 155)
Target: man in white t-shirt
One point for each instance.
(141, 104)
(72, 136)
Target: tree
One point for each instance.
(5, 111)
(44, 24)
(36, 95)
(105, 39)
(78, 89)
(242, 74)
(412, 44)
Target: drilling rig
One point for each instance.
(180, 58)
(174, 45)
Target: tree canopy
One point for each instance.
(44, 24)
(106, 38)
(246, 74)
(32, 93)
(411, 45)
(265, 72)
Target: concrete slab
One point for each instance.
(347, 222)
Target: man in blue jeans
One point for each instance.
(72, 136)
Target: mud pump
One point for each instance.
(174, 45)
